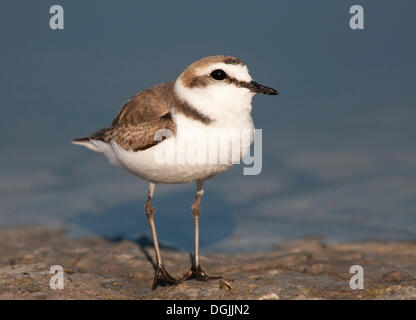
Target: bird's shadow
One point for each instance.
(173, 219)
(145, 244)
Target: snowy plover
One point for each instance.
(212, 93)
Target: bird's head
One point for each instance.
(219, 85)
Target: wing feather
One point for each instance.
(138, 120)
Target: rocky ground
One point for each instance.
(97, 268)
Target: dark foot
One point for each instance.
(198, 274)
(162, 277)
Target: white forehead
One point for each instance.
(237, 71)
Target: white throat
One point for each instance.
(225, 105)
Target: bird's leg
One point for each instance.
(161, 275)
(196, 272)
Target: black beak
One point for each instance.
(259, 88)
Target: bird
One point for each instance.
(213, 93)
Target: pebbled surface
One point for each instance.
(96, 268)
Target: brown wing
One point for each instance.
(142, 135)
(147, 105)
(137, 122)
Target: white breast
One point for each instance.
(184, 157)
(192, 153)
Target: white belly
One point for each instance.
(189, 156)
(145, 164)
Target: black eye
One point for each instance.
(218, 74)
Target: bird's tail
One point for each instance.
(96, 142)
(89, 143)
